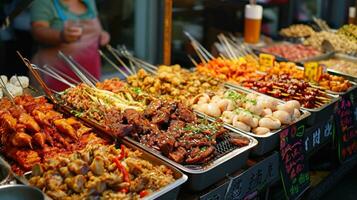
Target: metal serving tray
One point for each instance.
(316, 114)
(266, 142)
(353, 87)
(170, 191)
(338, 56)
(229, 159)
(280, 58)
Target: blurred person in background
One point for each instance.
(15, 37)
(70, 26)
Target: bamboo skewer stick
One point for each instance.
(201, 47)
(55, 76)
(6, 90)
(56, 71)
(84, 71)
(74, 68)
(114, 53)
(113, 64)
(192, 60)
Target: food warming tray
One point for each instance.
(316, 114)
(170, 191)
(338, 56)
(228, 160)
(259, 50)
(266, 142)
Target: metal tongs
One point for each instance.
(80, 71)
(34, 72)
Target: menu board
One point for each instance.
(319, 135)
(346, 119)
(294, 170)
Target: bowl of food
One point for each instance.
(20, 192)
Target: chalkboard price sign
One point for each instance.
(345, 116)
(294, 170)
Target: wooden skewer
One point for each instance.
(84, 71)
(201, 47)
(75, 69)
(6, 90)
(113, 64)
(55, 76)
(115, 54)
(199, 55)
(192, 60)
(56, 71)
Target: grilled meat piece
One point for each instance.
(185, 114)
(21, 140)
(198, 155)
(239, 141)
(29, 122)
(63, 126)
(178, 155)
(40, 139)
(152, 108)
(7, 122)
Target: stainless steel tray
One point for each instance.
(280, 58)
(170, 191)
(200, 177)
(316, 114)
(353, 87)
(267, 142)
(340, 57)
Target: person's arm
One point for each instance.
(42, 32)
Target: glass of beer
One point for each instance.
(252, 23)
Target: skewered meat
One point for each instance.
(29, 122)
(40, 139)
(31, 131)
(63, 126)
(21, 140)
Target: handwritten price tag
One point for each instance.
(294, 169)
(313, 71)
(266, 61)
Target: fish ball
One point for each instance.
(240, 125)
(260, 130)
(282, 116)
(227, 117)
(269, 122)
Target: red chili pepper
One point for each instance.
(122, 170)
(143, 193)
(124, 190)
(122, 152)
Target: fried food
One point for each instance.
(173, 83)
(100, 172)
(32, 131)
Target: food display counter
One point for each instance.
(232, 128)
